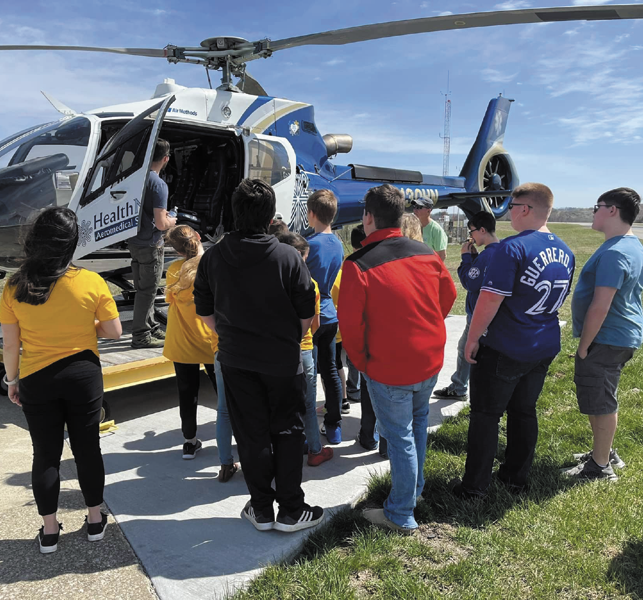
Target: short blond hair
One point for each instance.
(323, 204)
(539, 196)
(411, 227)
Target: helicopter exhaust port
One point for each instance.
(338, 143)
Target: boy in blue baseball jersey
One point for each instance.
(608, 317)
(513, 337)
(472, 269)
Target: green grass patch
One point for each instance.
(558, 540)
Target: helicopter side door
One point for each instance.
(272, 159)
(111, 205)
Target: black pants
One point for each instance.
(324, 341)
(266, 416)
(188, 379)
(499, 383)
(68, 391)
(367, 424)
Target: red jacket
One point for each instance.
(394, 297)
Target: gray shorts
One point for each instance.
(597, 376)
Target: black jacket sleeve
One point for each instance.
(203, 296)
(302, 290)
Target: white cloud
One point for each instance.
(512, 5)
(495, 76)
(590, 2)
(334, 62)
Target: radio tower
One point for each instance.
(447, 131)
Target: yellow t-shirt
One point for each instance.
(307, 341)
(188, 339)
(62, 326)
(334, 293)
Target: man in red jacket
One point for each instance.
(394, 297)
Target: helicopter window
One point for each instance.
(118, 164)
(69, 137)
(268, 161)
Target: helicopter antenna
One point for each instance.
(207, 72)
(447, 130)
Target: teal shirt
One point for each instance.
(618, 263)
(434, 236)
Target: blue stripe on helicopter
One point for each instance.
(258, 103)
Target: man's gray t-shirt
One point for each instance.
(156, 194)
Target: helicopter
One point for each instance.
(97, 162)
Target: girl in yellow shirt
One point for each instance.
(189, 343)
(56, 312)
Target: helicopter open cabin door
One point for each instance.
(272, 159)
(111, 206)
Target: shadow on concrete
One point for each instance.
(21, 560)
(626, 569)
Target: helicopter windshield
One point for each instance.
(42, 170)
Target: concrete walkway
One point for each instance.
(185, 526)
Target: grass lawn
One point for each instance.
(559, 540)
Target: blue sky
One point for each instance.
(576, 123)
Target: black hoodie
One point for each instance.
(258, 290)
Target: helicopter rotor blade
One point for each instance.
(151, 52)
(376, 31)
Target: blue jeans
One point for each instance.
(402, 418)
(224, 428)
(310, 418)
(460, 379)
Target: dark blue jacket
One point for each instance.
(471, 273)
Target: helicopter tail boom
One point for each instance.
(488, 165)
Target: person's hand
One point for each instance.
(466, 248)
(582, 353)
(172, 221)
(471, 350)
(14, 394)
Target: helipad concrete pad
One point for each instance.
(182, 523)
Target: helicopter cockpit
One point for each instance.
(43, 170)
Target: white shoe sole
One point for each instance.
(47, 549)
(258, 526)
(191, 456)
(297, 526)
(97, 537)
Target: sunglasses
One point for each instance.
(512, 204)
(599, 206)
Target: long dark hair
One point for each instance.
(49, 247)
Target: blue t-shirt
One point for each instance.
(471, 272)
(324, 262)
(534, 271)
(156, 193)
(618, 263)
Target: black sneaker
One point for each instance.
(48, 543)
(346, 407)
(261, 521)
(449, 394)
(455, 485)
(308, 517)
(96, 531)
(190, 450)
(590, 470)
(158, 334)
(615, 459)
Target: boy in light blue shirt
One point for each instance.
(608, 317)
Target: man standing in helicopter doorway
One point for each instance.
(146, 249)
